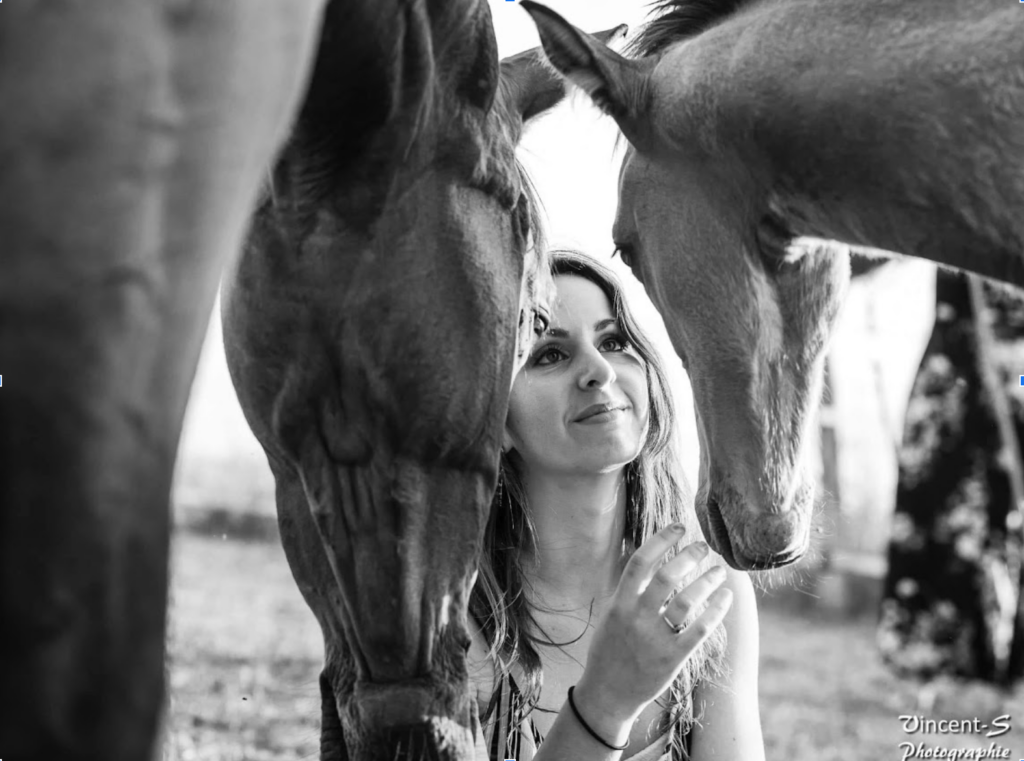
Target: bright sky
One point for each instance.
(570, 156)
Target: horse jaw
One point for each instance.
(757, 409)
(754, 522)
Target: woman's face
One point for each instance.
(580, 403)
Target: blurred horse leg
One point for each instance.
(134, 137)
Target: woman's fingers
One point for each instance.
(701, 627)
(669, 577)
(685, 602)
(641, 566)
(636, 648)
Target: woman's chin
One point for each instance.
(610, 460)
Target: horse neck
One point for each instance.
(870, 134)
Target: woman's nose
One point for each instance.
(596, 371)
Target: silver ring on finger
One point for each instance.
(676, 628)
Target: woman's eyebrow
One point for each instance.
(598, 327)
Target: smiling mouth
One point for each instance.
(602, 417)
(600, 414)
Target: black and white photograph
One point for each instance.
(511, 380)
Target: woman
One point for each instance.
(589, 473)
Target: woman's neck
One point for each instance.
(579, 522)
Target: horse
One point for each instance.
(135, 142)
(385, 296)
(766, 140)
(134, 139)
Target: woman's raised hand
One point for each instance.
(640, 646)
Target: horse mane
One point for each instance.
(680, 20)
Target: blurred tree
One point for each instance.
(951, 602)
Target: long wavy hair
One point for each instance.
(657, 494)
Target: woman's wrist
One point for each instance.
(603, 714)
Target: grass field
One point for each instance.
(245, 654)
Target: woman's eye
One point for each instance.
(549, 356)
(614, 343)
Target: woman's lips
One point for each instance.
(603, 416)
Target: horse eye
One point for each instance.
(625, 253)
(773, 240)
(540, 323)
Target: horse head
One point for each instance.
(749, 309)
(372, 329)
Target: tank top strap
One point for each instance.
(500, 723)
(513, 736)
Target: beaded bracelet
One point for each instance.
(595, 735)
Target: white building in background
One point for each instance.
(877, 348)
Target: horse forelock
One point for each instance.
(467, 51)
(680, 20)
(384, 88)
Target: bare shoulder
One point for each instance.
(480, 666)
(744, 606)
(741, 624)
(731, 724)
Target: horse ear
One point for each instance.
(532, 87)
(614, 83)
